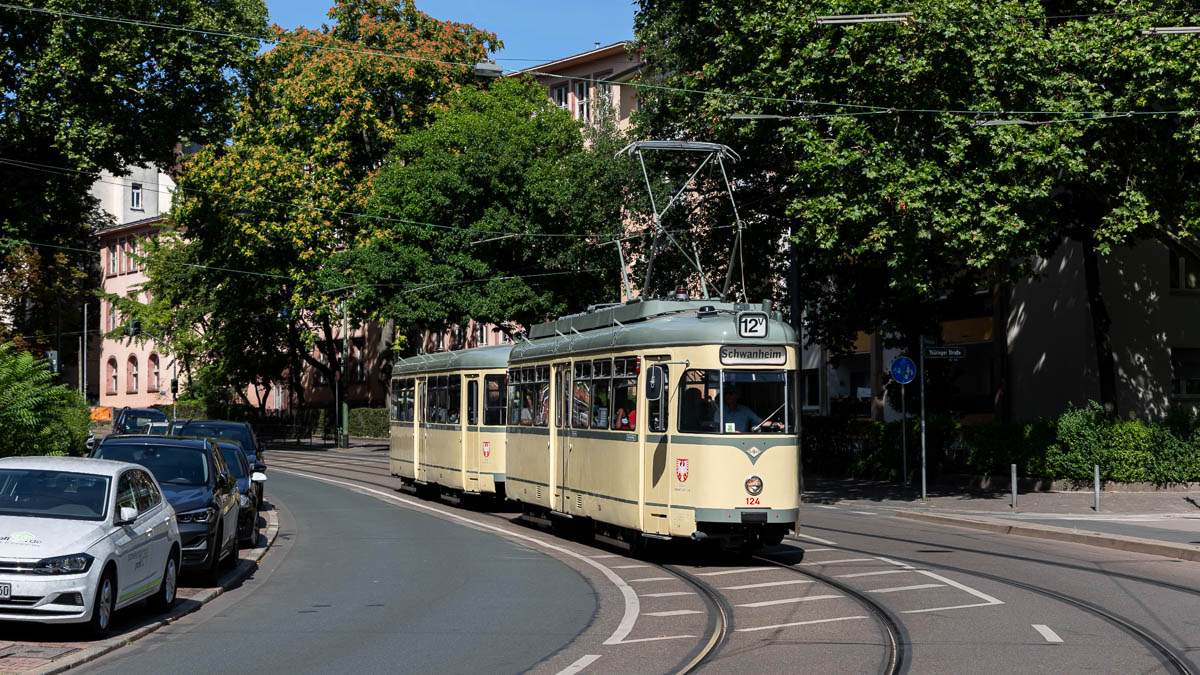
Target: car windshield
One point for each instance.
(736, 402)
(170, 464)
(233, 433)
(233, 458)
(53, 494)
(139, 420)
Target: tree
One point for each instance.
(482, 214)
(37, 417)
(84, 95)
(899, 176)
(268, 213)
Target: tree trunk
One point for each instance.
(387, 337)
(1101, 325)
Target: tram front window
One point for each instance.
(736, 402)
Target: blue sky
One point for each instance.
(537, 30)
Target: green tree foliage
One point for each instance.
(324, 109)
(471, 213)
(79, 96)
(891, 173)
(37, 417)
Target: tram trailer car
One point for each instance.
(660, 419)
(448, 420)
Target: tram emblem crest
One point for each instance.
(681, 470)
(487, 448)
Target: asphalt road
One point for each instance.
(354, 584)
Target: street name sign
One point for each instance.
(945, 353)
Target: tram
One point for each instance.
(658, 419)
(448, 419)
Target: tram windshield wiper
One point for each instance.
(766, 419)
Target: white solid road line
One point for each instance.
(636, 581)
(1050, 635)
(787, 601)
(819, 541)
(871, 574)
(579, 665)
(897, 589)
(864, 513)
(987, 599)
(790, 582)
(797, 623)
(604, 555)
(632, 604)
(724, 572)
(668, 594)
(818, 550)
(674, 612)
(629, 567)
(824, 506)
(834, 562)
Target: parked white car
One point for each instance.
(81, 538)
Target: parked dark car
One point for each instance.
(246, 475)
(228, 431)
(197, 481)
(136, 420)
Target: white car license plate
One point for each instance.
(5, 591)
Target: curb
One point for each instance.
(1099, 539)
(245, 566)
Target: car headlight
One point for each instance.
(66, 564)
(243, 501)
(205, 515)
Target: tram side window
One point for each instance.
(397, 392)
(624, 394)
(402, 400)
(658, 414)
(529, 392)
(493, 402)
(601, 383)
(563, 390)
(453, 398)
(541, 417)
(473, 401)
(699, 395)
(581, 407)
(514, 396)
(441, 399)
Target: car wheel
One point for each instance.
(103, 606)
(164, 600)
(229, 562)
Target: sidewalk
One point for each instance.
(1158, 523)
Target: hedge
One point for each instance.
(1066, 447)
(369, 422)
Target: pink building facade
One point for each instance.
(585, 82)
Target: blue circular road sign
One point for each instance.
(904, 370)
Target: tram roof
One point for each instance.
(654, 323)
(477, 358)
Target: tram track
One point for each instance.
(1164, 653)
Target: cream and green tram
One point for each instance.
(658, 419)
(448, 420)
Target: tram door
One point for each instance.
(471, 447)
(562, 433)
(659, 466)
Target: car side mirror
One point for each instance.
(128, 515)
(259, 466)
(654, 383)
(258, 477)
(222, 481)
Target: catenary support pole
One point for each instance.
(922, 376)
(1096, 485)
(903, 437)
(83, 366)
(344, 441)
(1013, 484)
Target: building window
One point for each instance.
(559, 94)
(1185, 272)
(1185, 372)
(135, 196)
(112, 376)
(133, 264)
(480, 334)
(131, 376)
(112, 317)
(358, 367)
(810, 383)
(582, 103)
(154, 381)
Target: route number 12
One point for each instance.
(752, 324)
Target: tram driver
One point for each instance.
(739, 418)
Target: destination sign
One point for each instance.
(945, 353)
(745, 355)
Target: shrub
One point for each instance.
(369, 422)
(36, 416)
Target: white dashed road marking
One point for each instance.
(669, 594)
(724, 572)
(819, 541)
(675, 612)
(987, 599)
(818, 550)
(579, 665)
(897, 589)
(869, 574)
(797, 623)
(638, 581)
(790, 582)
(1050, 635)
(629, 567)
(824, 506)
(786, 601)
(834, 562)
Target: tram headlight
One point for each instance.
(754, 486)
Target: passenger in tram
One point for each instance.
(625, 421)
(739, 418)
(527, 411)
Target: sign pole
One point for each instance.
(922, 376)
(903, 437)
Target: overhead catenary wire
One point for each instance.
(850, 108)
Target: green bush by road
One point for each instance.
(1065, 447)
(38, 417)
